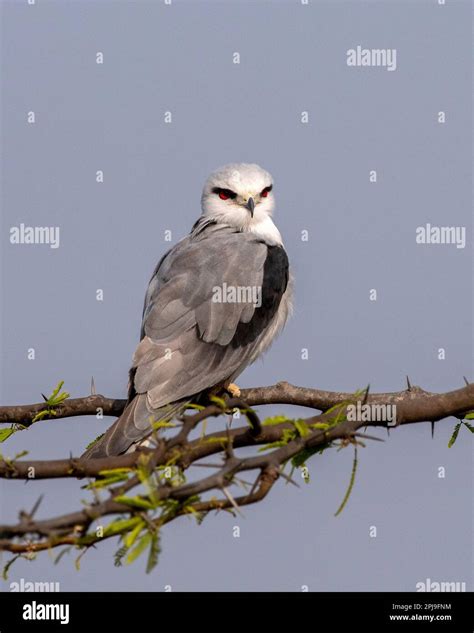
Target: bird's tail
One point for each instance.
(134, 425)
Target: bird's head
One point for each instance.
(239, 194)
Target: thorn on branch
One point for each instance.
(35, 507)
(366, 394)
(255, 483)
(231, 499)
(229, 449)
(289, 479)
(369, 437)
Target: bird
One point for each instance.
(214, 304)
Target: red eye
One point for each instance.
(224, 194)
(264, 193)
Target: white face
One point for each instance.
(239, 194)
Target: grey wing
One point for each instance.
(191, 340)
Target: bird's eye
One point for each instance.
(264, 193)
(224, 194)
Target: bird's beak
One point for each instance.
(250, 205)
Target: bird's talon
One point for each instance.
(234, 390)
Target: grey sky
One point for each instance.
(110, 117)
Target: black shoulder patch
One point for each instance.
(275, 281)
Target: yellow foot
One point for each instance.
(233, 390)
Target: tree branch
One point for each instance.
(165, 499)
(280, 393)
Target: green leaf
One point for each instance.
(198, 407)
(107, 481)
(139, 548)
(153, 553)
(20, 454)
(66, 550)
(320, 425)
(267, 447)
(119, 554)
(143, 472)
(301, 458)
(214, 440)
(341, 408)
(455, 434)
(277, 419)
(188, 505)
(42, 414)
(121, 525)
(341, 416)
(135, 502)
(469, 426)
(469, 416)
(114, 471)
(219, 401)
(55, 399)
(351, 484)
(5, 433)
(301, 427)
(335, 407)
(7, 566)
(287, 436)
(56, 390)
(94, 441)
(162, 424)
(130, 538)
(143, 468)
(77, 562)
